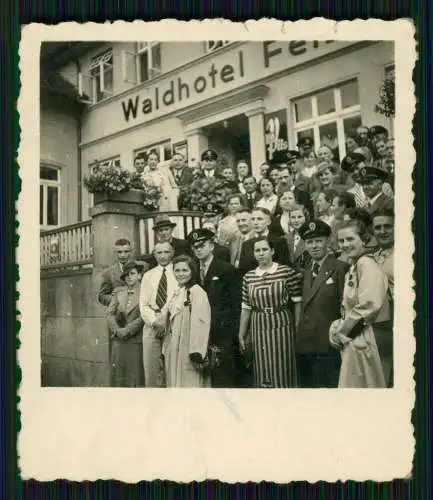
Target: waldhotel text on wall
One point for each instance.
(183, 90)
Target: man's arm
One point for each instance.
(106, 289)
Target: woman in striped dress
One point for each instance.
(267, 296)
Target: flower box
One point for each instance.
(131, 196)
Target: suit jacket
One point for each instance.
(222, 291)
(250, 203)
(234, 246)
(180, 247)
(247, 261)
(382, 202)
(222, 253)
(186, 176)
(298, 257)
(321, 305)
(110, 280)
(121, 316)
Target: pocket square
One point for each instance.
(329, 281)
(215, 278)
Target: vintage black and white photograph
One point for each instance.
(217, 214)
(223, 214)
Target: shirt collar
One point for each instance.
(320, 262)
(206, 263)
(272, 269)
(372, 200)
(168, 267)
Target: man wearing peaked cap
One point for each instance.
(305, 145)
(322, 290)
(372, 179)
(208, 164)
(377, 132)
(352, 160)
(217, 278)
(292, 156)
(314, 229)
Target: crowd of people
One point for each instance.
(290, 284)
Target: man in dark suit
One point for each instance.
(163, 228)
(182, 174)
(221, 252)
(260, 221)
(111, 277)
(218, 280)
(251, 196)
(323, 283)
(372, 180)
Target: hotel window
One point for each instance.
(213, 45)
(163, 149)
(328, 116)
(142, 65)
(97, 83)
(49, 197)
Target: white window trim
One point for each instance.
(152, 69)
(100, 62)
(45, 183)
(159, 147)
(316, 121)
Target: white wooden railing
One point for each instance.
(185, 223)
(67, 246)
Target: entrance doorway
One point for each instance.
(230, 139)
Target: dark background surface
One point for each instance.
(12, 15)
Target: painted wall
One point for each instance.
(59, 147)
(74, 335)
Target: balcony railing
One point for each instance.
(67, 247)
(185, 223)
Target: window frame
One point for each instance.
(99, 62)
(159, 146)
(45, 184)
(224, 43)
(139, 49)
(316, 121)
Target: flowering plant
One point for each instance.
(386, 104)
(109, 178)
(151, 187)
(206, 191)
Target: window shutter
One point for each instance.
(84, 88)
(129, 67)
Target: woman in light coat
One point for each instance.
(365, 302)
(185, 325)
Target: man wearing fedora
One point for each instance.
(218, 281)
(323, 283)
(163, 229)
(372, 180)
(126, 329)
(156, 291)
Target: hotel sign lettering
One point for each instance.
(225, 72)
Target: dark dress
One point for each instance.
(268, 295)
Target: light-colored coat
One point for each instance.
(188, 328)
(365, 297)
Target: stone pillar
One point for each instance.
(256, 122)
(113, 217)
(197, 143)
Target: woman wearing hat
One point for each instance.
(126, 327)
(269, 293)
(185, 322)
(365, 301)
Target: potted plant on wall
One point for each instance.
(110, 182)
(386, 105)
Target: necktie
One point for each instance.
(316, 269)
(202, 273)
(161, 293)
(239, 250)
